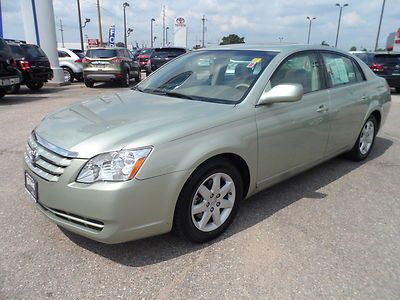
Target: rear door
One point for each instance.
(293, 135)
(348, 99)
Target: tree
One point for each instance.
(120, 44)
(232, 39)
(323, 43)
(353, 48)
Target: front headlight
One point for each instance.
(113, 166)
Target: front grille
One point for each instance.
(44, 162)
(79, 220)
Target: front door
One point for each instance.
(292, 135)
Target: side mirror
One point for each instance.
(282, 93)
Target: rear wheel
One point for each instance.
(138, 78)
(126, 80)
(15, 89)
(362, 148)
(89, 83)
(68, 74)
(35, 85)
(209, 201)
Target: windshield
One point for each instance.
(101, 53)
(224, 76)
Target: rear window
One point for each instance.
(33, 52)
(79, 53)
(17, 51)
(163, 53)
(387, 58)
(365, 57)
(146, 51)
(101, 53)
(4, 48)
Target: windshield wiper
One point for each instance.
(167, 93)
(178, 95)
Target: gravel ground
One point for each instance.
(332, 232)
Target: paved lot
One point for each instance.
(332, 232)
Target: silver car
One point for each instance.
(71, 62)
(202, 133)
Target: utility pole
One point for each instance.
(204, 21)
(62, 33)
(340, 17)
(125, 5)
(99, 17)
(163, 25)
(80, 23)
(379, 27)
(151, 32)
(309, 28)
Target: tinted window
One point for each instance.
(33, 51)
(63, 54)
(163, 53)
(365, 57)
(146, 51)
(17, 51)
(387, 58)
(79, 53)
(302, 68)
(340, 69)
(101, 53)
(359, 73)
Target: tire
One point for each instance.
(203, 226)
(2, 93)
(365, 141)
(138, 78)
(89, 83)
(15, 89)
(398, 90)
(34, 86)
(126, 80)
(68, 74)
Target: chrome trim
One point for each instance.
(54, 148)
(74, 218)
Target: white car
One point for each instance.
(71, 62)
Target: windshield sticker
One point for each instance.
(254, 61)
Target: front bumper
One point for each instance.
(114, 212)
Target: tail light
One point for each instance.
(376, 67)
(116, 60)
(85, 60)
(79, 60)
(24, 65)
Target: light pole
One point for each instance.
(340, 17)
(280, 39)
(309, 28)
(379, 27)
(80, 23)
(166, 36)
(151, 32)
(204, 22)
(125, 5)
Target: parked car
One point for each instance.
(190, 142)
(9, 74)
(160, 56)
(386, 65)
(110, 64)
(71, 62)
(33, 64)
(144, 59)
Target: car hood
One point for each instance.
(133, 118)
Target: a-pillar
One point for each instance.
(40, 29)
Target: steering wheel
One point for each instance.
(242, 85)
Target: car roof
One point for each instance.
(108, 48)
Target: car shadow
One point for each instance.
(254, 210)
(17, 99)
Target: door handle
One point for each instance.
(322, 109)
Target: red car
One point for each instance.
(144, 59)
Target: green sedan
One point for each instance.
(183, 148)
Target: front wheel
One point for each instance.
(363, 146)
(35, 85)
(209, 201)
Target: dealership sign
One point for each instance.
(180, 22)
(111, 36)
(93, 43)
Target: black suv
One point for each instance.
(33, 64)
(160, 56)
(386, 65)
(9, 74)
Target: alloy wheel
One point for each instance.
(367, 137)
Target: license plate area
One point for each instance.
(31, 186)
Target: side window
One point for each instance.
(359, 73)
(340, 69)
(302, 68)
(63, 54)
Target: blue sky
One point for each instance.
(259, 21)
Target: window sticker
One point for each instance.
(337, 71)
(254, 61)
